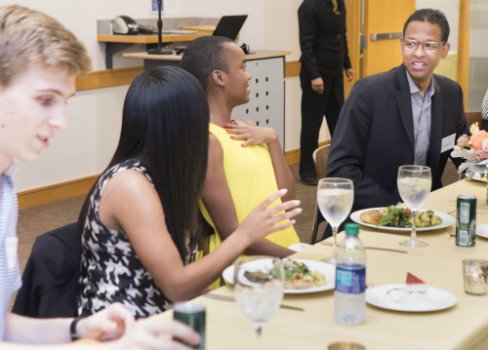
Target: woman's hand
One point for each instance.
(251, 134)
(318, 85)
(349, 74)
(263, 220)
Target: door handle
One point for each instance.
(385, 36)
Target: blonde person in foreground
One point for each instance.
(39, 60)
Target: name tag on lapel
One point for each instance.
(448, 143)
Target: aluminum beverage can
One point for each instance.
(194, 316)
(466, 220)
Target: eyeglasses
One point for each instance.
(428, 46)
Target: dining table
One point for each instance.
(312, 325)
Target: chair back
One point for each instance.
(50, 278)
(320, 156)
(473, 117)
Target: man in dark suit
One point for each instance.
(407, 115)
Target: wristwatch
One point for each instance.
(72, 328)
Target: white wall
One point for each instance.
(85, 147)
(450, 8)
(478, 54)
(281, 33)
(252, 32)
(94, 115)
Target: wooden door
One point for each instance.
(462, 72)
(383, 27)
(353, 28)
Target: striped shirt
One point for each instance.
(422, 115)
(10, 279)
(484, 107)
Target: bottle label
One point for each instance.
(350, 278)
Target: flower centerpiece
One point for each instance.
(474, 149)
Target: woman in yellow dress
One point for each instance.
(245, 162)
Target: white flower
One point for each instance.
(467, 154)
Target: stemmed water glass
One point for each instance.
(414, 183)
(258, 288)
(335, 196)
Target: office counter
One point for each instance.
(115, 43)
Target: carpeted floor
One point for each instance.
(37, 220)
(43, 218)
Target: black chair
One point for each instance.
(50, 278)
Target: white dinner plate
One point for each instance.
(482, 231)
(328, 270)
(394, 297)
(477, 176)
(447, 220)
(299, 247)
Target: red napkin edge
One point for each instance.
(412, 279)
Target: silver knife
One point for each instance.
(374, 248)
(229, 298)
(387, 249)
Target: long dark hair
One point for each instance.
(165, 126)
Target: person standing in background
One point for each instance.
(323, 42)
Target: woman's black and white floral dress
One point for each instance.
(110, 268)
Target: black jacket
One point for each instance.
(50, 278)
(323, 39)
(374, 135)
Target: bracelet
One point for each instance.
(72, 328)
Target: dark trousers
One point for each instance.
(314, 107)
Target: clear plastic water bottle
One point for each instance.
(350, 282)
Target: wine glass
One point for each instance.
(414, 183)
(335, 196)
(258, 288)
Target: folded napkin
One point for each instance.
(415, 284)
(412, 279)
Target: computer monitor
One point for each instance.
(229, 26)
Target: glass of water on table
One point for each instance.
(259, 283)
(414, 183)
(335, 196)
